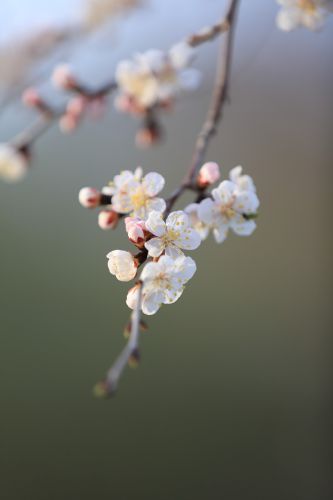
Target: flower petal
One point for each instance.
(155, 223)
(173, 251)
(189, 239)
(246, 202)
(242, 227)
(220, 233)
(155, 247)
(151, 302)
(153, 183)
(206, 210)
(224, 192)
(177, 221)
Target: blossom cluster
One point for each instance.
(296, 13)
(162, 237)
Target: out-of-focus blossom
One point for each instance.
(89, 197)
(13, 163)
(163, 283)
(154, 77)
(63, 77)
(107, 219)
(295, 13)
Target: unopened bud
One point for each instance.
(108, 219)
(208, 174)
(31, 98)
(76, 106)
(89, 197)
(63, 78)
(68, 123)
(135, 229)
(126, 104)
(147, 136)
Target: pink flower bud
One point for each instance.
(107, 219)
(147, 136)
(208, 174)
(89, 197)
(68, 123)
(135, 229)
(62, 77)
(31, 98)
(77, 106)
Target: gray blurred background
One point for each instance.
(231, 398)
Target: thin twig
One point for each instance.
(110, 384)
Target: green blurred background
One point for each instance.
(231, 399)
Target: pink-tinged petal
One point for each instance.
(155, 247)
(153, 183)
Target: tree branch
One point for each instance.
(214, 114)
(130, 352)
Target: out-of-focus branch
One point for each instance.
(130, 352)
(219, 98)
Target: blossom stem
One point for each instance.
(110, 384)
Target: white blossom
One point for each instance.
(231, 206)
(171, 236)
(155, 77)
(136, 195)
(296, 13)
(122, 265)
(163, 283)
(13, 164)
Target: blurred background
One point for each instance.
(231, 399)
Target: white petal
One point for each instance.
(153, 183)
(181, 55)
(172, 294)
(155, 223)
(138, 172)
(220, 233)
(177, 221)
(246, 202)
(206, 210)
(189, 239)
(173, 251)
(288, 19)
(224, 192)
(155, 247)
(122, 203)
(151, 270)
(151, 302)
(155, 204)
(185, 267)
(243, 227)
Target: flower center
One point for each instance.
(171, 236)
(309, 6)
(138, 198)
